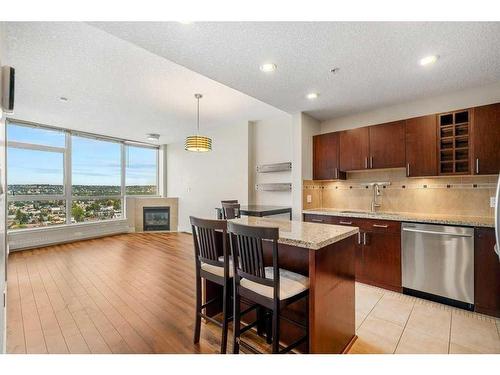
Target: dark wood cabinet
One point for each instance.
(486, 139)
(378, 249)
(486, 273)
(320, 219)
(454, 142)
(377, 146)
(462, 142)
(354, 149)
(421, 146)
(381, 257)
(326, 153)
(387, 145)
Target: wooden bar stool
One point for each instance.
(271, 287)
(210, 265)
(230, 210)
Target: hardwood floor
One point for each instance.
(134, 293)
(122, 294)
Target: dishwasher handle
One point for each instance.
(434, 232)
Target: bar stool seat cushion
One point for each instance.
(216, 270)
(291, 284)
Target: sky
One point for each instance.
(94, 162)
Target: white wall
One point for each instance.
(202, 180)
(457, 100)
(303, 129)
(269, 141)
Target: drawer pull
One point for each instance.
(380, 226)
(317, 220)
(345, 222)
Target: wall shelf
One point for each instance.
(275, 167)
(277, 186)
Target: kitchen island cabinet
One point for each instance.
(326, 254)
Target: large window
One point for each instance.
(59, 177)
(141, 176)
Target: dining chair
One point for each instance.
(231, 211)
(229, 201)
(270, 286)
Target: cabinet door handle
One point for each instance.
(366, 162)
(371, 161)
(477, 165)
(317, 220)
(364, 238)
(345, 222)
(336, 173)
(359, 238)
(380, 226)
(408, 170)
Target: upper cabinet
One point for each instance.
(462, 142)
(354, 149)
(326, 157)
(387, 145)
(421, 146)
(367, 147)
(454, 142)
(486, 139)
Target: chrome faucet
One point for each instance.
(376, 193)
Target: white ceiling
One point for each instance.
(378, 61)
(114, 87)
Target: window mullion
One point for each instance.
(123, 177)
(67, 177)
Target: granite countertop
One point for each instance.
(298, 233)
(472, 221)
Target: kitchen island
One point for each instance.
(326, 254)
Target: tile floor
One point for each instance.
(388, 322)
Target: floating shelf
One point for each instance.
(275, 167)
(277, 186)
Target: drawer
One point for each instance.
(350, 221)
(311, 218)
(381, 226)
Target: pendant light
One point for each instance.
(198, 143)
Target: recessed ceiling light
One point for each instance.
(428, 60)
(186, 22)
(63, 99)
(153, 137)
(312, 95)
(269, 67)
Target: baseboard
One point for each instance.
(39, 237)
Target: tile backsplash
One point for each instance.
(466, 195)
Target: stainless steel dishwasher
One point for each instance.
(438, 263)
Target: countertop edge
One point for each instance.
(318, 245)
(399, 217)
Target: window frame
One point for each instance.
(67, 195)
(124, 171)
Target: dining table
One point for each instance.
(259, 210)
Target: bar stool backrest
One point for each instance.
(231, 211)
(246, 245)
(207, 244)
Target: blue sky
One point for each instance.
(93, 162)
